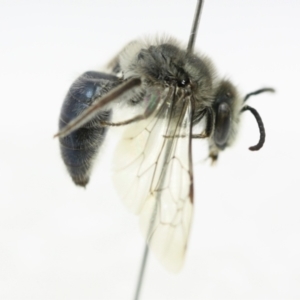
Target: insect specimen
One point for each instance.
(169, 88)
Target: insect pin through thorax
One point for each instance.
(171, 88)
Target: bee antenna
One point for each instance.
(257, 117)
(260, 126)
(195, 26)
(258, 92)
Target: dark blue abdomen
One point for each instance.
(79, 149)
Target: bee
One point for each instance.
(168, 89)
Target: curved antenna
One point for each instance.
(195, 26)
(262, 132)
(261, 127)
(258, 92)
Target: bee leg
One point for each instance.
(209, 113)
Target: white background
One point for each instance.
(58, 241)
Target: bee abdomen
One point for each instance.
(79, 149)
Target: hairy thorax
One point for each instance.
(166, 65)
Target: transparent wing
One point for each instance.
(153, 175)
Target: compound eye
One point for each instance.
(222, 126)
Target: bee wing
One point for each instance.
(154, 177)
(98, 105)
